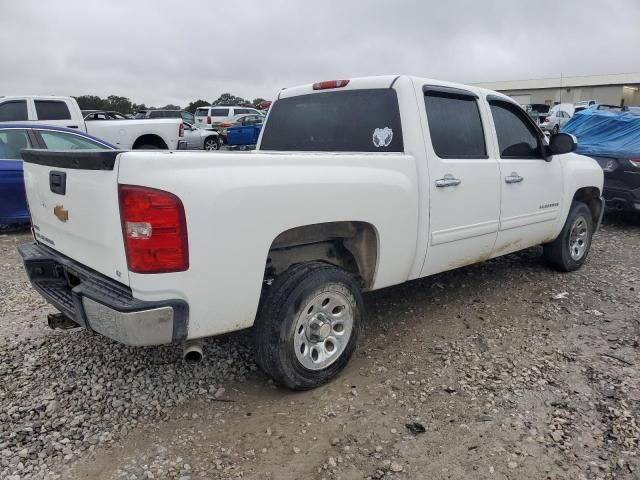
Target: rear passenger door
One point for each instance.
(55, 112)
(531, 187)
(464, 189)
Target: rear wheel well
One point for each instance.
(591, 197)
(149, 140)
(352, 246)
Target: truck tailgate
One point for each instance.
(73, 200)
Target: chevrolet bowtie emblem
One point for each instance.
(61, 213)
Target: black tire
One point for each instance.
(281, 308)
(213, 142)
(147, 147)
(558, 253)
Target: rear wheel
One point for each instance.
(570, 250)
(212, 143)
(308, 325)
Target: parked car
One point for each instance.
(244, 130)
(264, 106)
(584, 103)
(252, 121)
(201, 139)
(613, 139)
(158, 113)
(13, 138)
(537, 111)
(356, 185)
(207, 116)
(555, 119)
(65, 112)
(103, 115)
(598, 106)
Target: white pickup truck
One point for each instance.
(356, 185)
(165, 133)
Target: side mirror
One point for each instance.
(561, 143)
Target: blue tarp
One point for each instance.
(605, 133)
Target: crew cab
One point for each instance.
(355, 185)
(64, 112)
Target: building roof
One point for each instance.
(558, 82)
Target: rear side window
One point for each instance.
(11, 142)
(365, 120)
(52, 110)
(516, 136)
(455, 125)
(219, 112)
(202, 112)
(13, 111)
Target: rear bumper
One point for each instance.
(622, 198)
(101, 304)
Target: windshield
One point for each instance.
(346, 121)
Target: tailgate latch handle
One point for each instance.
(58, 182)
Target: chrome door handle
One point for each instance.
(513, 178)
(448, 181)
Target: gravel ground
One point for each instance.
(500, 370)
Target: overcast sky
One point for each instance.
(158, 52)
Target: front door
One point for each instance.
(464, 189)
(531, 187)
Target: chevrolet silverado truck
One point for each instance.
(166, 133)
(355, 185)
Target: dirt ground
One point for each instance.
(515, 371)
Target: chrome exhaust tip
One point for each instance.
(192, 351)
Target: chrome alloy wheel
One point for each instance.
(578, 238)
(211, 144)
(323, 329)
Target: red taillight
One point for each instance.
(154, 230)
(209, 120)
(327, 84)
(635, 162)
(181, 130)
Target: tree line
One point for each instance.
(124, 105)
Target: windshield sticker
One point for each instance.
(382, 137)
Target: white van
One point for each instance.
(206, 116)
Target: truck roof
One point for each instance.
(39, 97)
(387, 81)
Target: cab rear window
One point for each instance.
(52, 110)
(202, 112)
(365, 120)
